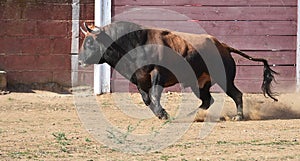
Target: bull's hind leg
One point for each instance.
(204, 95)
(237, 97)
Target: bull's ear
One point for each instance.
(87, 27)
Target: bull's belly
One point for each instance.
(170, 83)
(201, 80)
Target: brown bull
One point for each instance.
(156, 58)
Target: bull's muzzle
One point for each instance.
(82, 64)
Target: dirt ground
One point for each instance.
(46, 126)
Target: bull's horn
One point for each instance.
(84, 32)
(87, 27)
(96, 29)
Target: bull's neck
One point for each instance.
(113, 51)
(114, 56)
(119, 62)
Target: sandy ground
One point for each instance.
(46, 126)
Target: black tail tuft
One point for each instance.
(268, 72)
(267, 82)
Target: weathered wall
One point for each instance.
(35, 39)
(35, 35)
(261, 28)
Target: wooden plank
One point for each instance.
(222, 28)
(181, 26)
(207, 13)
(277, 57)
(247, 28)
(244, 73)
(205, 2)
(248, 70)
(254, 86)
(116, 75)
(255, 42)
(262, 28)
(272, 43)
(246, 86)
(298, 49)
(256, 72)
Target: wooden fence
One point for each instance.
(260, 28)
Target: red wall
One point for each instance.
(35, 35)
(35, 40)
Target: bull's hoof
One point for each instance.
(163, 115)
(238, 118)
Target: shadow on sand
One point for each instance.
(29, 88)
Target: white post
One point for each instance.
(75, 42)
(298, 49)
(102, 72)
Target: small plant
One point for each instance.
(222, 142)
(19, 155)
(121, 138)
(113, 136)
(60, 136)
(166, 157)
(88, 140)
(63, 149)
(61, 139)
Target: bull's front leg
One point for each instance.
(145, 96)
(155, 95)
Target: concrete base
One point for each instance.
(3, 80)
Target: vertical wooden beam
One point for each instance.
(102, 72)
(75, 42)
(298, 49)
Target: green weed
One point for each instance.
(20, 155)
(88, 140)
(62, 139)
(166, 157)
(121, 138)
(10, 99)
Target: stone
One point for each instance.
(3, 80)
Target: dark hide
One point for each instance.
(153, 59)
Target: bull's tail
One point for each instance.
(268, 72)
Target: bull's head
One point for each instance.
(91, 50)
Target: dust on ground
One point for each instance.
(45, 126)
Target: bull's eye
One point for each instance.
(89, 42)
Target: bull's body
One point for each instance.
(161, 58)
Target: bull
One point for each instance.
(161, 58)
